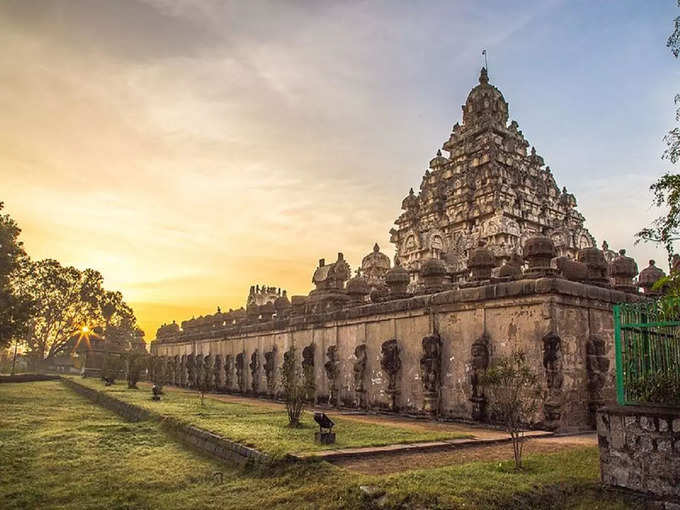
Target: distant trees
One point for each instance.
(46, 305)
(66, 299)
(665, 230)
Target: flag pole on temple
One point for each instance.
(486, 65)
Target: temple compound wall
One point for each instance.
(442, 341)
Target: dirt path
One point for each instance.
(385, 464)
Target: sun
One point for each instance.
(85, 330)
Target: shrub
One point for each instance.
(514, 394)
(294, 385)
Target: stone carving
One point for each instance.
(208, 373)
(308, 370)
(229, 371)
(552, 362)
(479, 363)
(390, 362)
(200, 374)
(648, 277)
(255, 371)
(430, 372)
(183, 371)
(217, 372)
(240, 371)
(359, 370)
(191, 371)
(597, 369)
(176, 370)
(270, 370)
(332, 369)
(597, 266)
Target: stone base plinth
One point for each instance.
(324, 437)
(640, 449)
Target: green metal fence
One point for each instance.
(647, 339)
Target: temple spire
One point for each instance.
(483, 76)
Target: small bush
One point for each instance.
(661, 388)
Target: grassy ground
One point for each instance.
(60, 451)
(265, 428)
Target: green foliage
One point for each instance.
(665, 230)
(65, 300)
(61, 451)
(135, 362)
(15, 309)
(514, 394)
(112, 366)
(661, 387)
(295, 384)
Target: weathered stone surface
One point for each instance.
(645, 459)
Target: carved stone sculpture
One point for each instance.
(597, 369)
(308, 370)
(208, 373)
(191, 371)
(270, 370)
(359, 370)
(430, 372)
(332, 368)
(391, 365)
(199, 374)
(217, 372)
(229, 372)
(255, 371)
(183, 371)
(479, 363)
(176, 371)
(240, 371)
(552, 362)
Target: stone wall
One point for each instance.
(640, 450)
(554, 321)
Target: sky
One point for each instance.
(189, 149)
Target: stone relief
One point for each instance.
(390, 363)
(359, 370)
(430, 372)
(255, 371)
(597, 370)
(479, 362)
(332, 371)
(241, 371)
(552, 362)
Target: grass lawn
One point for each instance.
(264, 427)
(61, 451)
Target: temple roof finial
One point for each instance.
(484, 76)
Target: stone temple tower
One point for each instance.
(490, 188)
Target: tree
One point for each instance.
(514, 392)
(665, 230)
(14, 309)
(67, 299)
(295, 387)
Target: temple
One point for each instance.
(491, 257)
(489, 189)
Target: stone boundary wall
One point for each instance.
(640, 450)
(19, 378)
(207, 442)
(565, 328)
